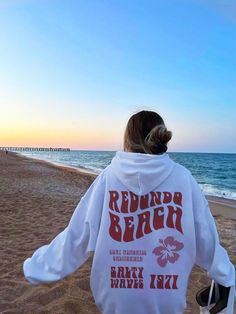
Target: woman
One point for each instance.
(147, 222)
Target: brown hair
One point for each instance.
(146, 133)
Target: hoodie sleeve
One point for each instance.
(69, 249)
(210, 255)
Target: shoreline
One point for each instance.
(223, 208)
(212, 199)
(79, 170)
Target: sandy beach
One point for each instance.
(37, 200)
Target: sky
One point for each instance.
(73, 72)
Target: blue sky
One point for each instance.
(72, 72)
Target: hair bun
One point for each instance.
(158, 138)
(160, 132)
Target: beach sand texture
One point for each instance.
(37, 200)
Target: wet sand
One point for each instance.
(37, 200)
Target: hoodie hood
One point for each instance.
(141, 173)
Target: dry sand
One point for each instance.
(36, 202)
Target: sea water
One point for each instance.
(215, 173)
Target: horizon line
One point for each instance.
(51, 148)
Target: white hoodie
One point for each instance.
(148, 223)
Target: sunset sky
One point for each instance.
(72, 72)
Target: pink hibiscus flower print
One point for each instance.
(167, 251)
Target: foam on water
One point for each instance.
(214, 191)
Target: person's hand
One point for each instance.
(202, 297)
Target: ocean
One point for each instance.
(215, 173)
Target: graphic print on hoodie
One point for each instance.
(147, 222)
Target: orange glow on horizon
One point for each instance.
(79, 138)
